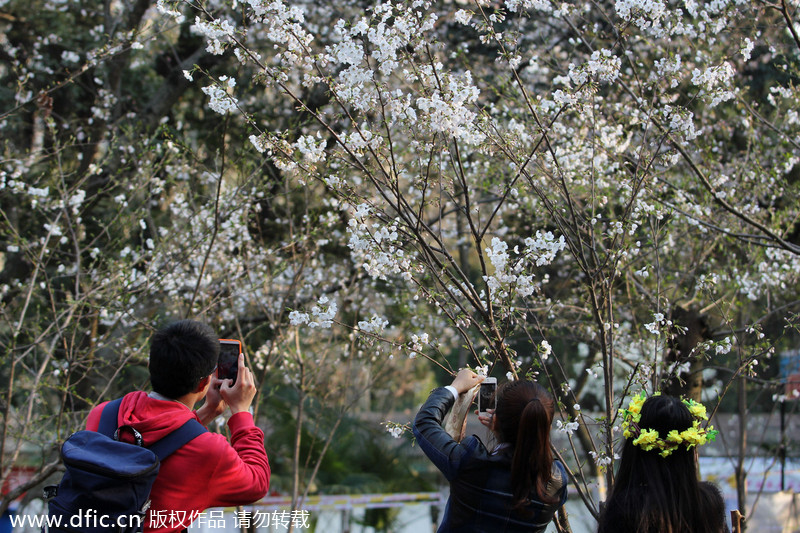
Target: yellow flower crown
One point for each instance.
(649, 439)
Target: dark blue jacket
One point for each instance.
(480, 482)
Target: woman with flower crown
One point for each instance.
(656, 489)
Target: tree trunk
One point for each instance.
(741, 473)
(681, 349)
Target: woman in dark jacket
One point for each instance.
(656, 489)
(517, 486)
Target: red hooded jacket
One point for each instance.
(205, 472)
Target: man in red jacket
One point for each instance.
(207, 471)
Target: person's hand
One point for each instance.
(486, 418)
(214, 404)
(214, 399)
(465, 380)
(239, 395)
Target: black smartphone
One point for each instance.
(228, 362)
(487, 398)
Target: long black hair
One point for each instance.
(522, 418)
(660, 494)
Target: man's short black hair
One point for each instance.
(182, 354)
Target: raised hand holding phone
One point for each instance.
(239, 395)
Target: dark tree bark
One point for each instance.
(682, 348)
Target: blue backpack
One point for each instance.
(106, 486)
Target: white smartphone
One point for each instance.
(487, 398)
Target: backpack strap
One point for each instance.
(109, 417)
(188, 431)
(165, 446)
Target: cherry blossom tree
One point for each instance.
(630, 148)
